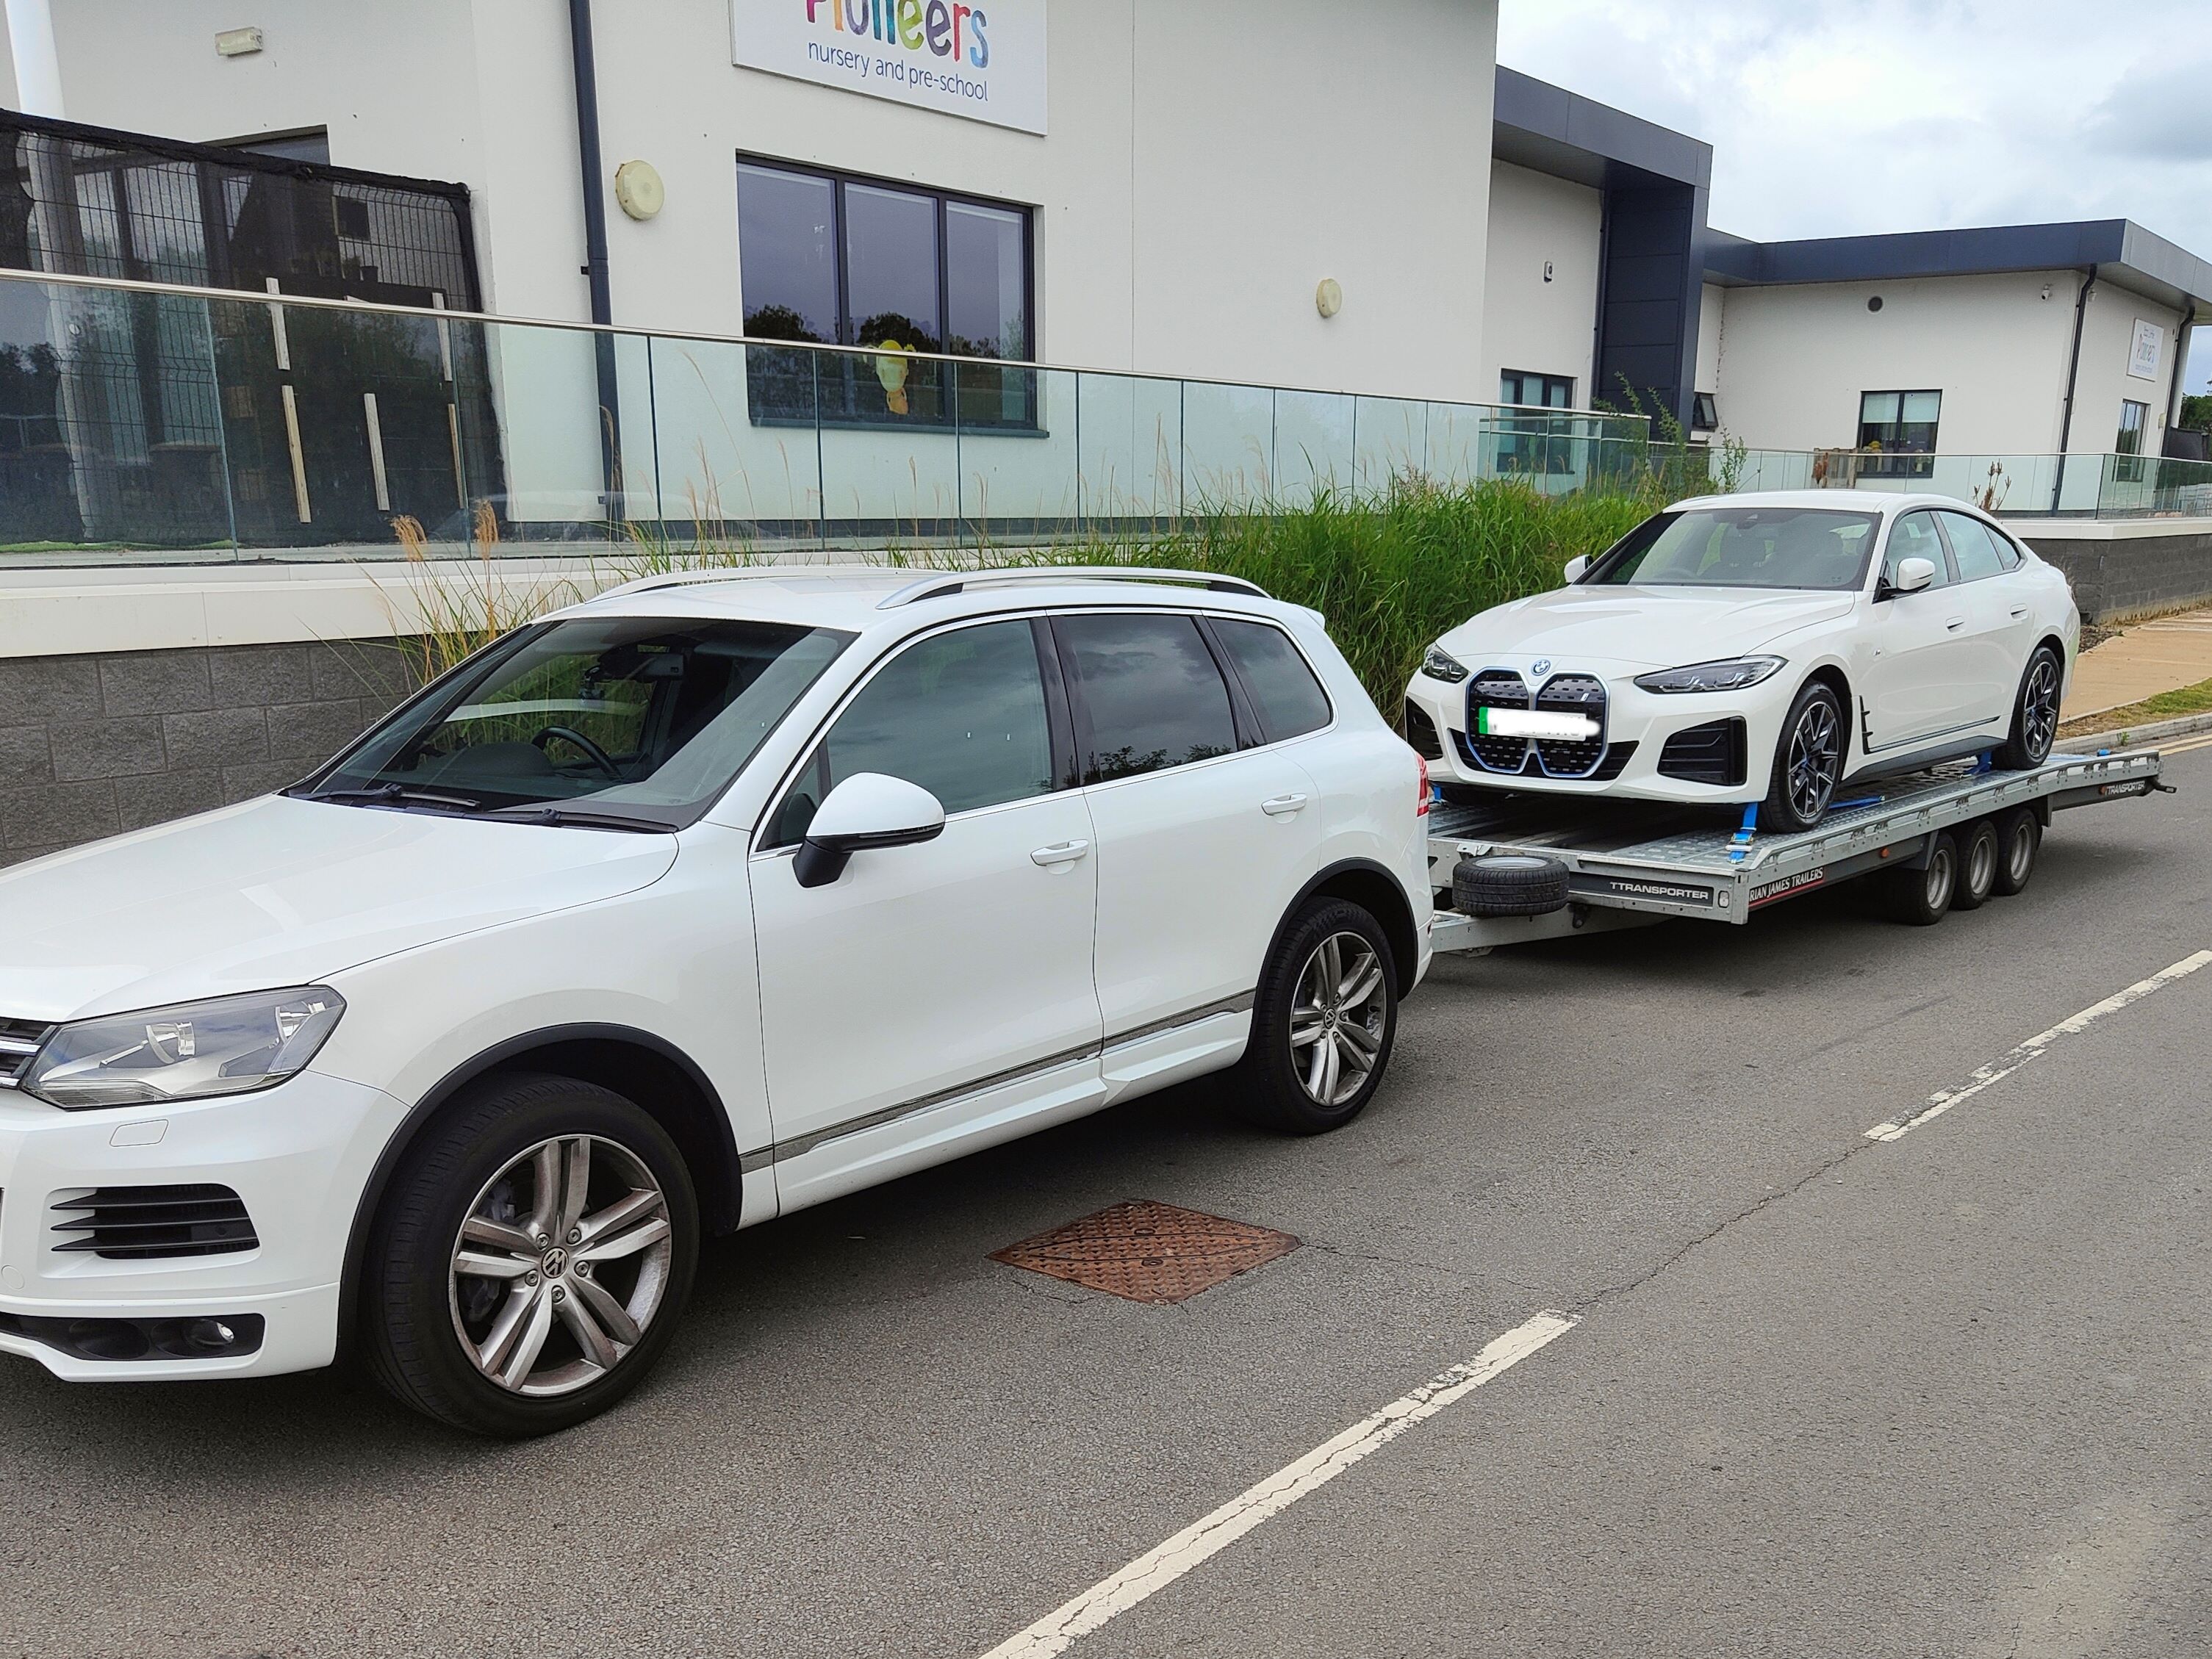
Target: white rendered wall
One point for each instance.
(1796, 358)
(1527, 323)
(2107, 334)
(1207, 166)
(1712, 319)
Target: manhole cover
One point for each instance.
(1148, 1252)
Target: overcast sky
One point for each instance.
(1831, 117)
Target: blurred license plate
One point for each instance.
(1532, 723)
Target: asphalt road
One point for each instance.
(1949, 1395)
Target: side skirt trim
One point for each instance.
(799, 1146)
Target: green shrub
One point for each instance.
(1390, 575)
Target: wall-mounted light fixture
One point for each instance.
(638, 189)
(238, 43)
(1328, 298)
(1547, 270)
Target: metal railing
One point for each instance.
(146, 422)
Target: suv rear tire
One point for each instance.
(578, 1210)
(1324, 1021)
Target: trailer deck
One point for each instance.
(1630, 862)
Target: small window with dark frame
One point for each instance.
(1529, 442)
(2128, 446)
(1896, 433)
(825, 259)
(1705, 412)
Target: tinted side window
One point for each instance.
(1975, 548)
(1913, 537)
(1290, 700)
(961, 715)
(1154, 695)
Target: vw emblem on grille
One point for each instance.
(1541, 665)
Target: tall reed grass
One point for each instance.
(1389, 573)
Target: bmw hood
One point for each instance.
(1637, 628)
(281, 891)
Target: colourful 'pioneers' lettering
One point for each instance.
(935, 26)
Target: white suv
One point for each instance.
(703, 901)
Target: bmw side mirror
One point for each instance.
(868, 810)
(1575, 569)
(1913, 575)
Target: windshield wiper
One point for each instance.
(569, 817)
(396, 795)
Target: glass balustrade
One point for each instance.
(140, 424)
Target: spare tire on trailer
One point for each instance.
(1509, 884)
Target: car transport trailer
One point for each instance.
(1527, 867)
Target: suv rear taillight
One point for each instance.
(1422, 810)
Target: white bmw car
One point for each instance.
(1765, 648)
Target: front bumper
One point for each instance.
(298, 1156)
(1636, 720)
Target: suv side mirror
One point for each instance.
(1913, 575)
(1575, 569)
(868, 810)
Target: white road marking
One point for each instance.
(1944, 1099)
(1158, 1568)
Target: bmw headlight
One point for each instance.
(1733, 675)
(192, 1051)
(1440, 664)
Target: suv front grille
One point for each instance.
(1711, 753)
(19, 1041)
(144, 1224)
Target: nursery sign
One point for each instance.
(2148, 346)
(984, 62)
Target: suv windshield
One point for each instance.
(1742, 547)
(625, 720)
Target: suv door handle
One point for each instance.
(1956, 624)
(2017, 611)
(1282, 805)
(1064, 851)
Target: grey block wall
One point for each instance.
(91, 745)
(2114, 580)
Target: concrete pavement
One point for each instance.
(1826, 1396)
(2140, 661)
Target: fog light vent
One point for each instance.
(142, 1224)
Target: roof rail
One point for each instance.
(944, 584)
(740, 573)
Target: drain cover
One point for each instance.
(1148, 1252)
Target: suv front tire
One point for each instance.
(530, 1258)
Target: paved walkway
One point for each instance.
(2140, 662)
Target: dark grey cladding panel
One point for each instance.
(2118, 249)
(1538, 124)
(1644, 323)
(1631, 278)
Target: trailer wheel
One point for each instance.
(1509, 884)
(2019, 842)
(1978, 866)
(1919, 897)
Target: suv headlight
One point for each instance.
(1440, 664)
(226, 1045)
(1733, 675)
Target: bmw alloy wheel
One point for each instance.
(560, 1265)
(1815, 756)
(1337, 1022)
(2039, 707)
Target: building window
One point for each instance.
(1705, 412)
(2134, 416)
(831, 259)
(1521, 386)
(1526, 441)
(1897, 431)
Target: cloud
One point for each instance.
(1828, 119)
